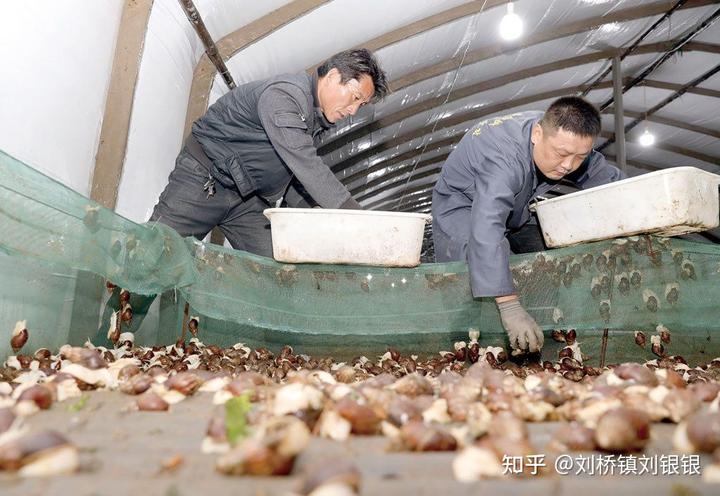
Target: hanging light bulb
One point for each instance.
(647, 138)
(511, 25)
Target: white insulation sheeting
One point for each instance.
(56, 63)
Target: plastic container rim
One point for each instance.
(337, 211)
(533, 207)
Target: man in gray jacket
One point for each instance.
(257, 144)
(480, 202)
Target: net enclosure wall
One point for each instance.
(59, 248)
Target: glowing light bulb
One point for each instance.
(511, 25)
(647, 138)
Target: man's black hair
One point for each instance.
(352, 64)
(574, 114)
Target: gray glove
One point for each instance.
(523, 331)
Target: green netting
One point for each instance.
(626, 284)
(59, 246)
(632, 282)
(42, 219)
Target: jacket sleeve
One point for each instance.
(283, 112)
(597, 173)
(488, 248)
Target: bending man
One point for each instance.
(256, 146)
(480, 202)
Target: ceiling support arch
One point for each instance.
(424, 188)
(419, 167)
(670, 123)
(398, 159)
(395, 184)
(110, 157)
(417, 196)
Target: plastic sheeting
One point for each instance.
(170, 53)
(56, 63)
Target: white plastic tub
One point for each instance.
(668, 203)
(362, 237)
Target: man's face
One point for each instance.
(560, 153)
(339, 100)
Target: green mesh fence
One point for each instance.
(44, 220)
(59, 247)
(621, 285)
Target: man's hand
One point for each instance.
(523, 331)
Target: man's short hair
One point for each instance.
(574, 114)
(352, 64)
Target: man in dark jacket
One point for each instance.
(256, 145)
(480, 202)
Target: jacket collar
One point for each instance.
(326, 124)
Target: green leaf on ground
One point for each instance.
(79, 404)
(236, 410)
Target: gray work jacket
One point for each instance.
(262, 134)
(484, 190)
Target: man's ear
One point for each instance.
(536, 134)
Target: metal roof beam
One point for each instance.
(677, 94)
(670, 122)
(398, 183)
(677, 46)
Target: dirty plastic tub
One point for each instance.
(668, 203)
(361, 237)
